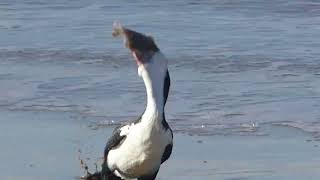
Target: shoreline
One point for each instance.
(44, 145)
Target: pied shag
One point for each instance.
(138, 148)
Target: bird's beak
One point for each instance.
(141, 46)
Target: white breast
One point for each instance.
(141, 152)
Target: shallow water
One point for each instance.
(236, 66)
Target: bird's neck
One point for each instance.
(154, 83)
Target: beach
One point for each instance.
(48, 150)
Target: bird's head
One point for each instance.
(144, 50)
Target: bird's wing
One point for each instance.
(114, 140)
(118, 136)
(166, 154)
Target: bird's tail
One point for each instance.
(100, 176)
(95, 176)
(104, 174)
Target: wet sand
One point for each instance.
(44, 146)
